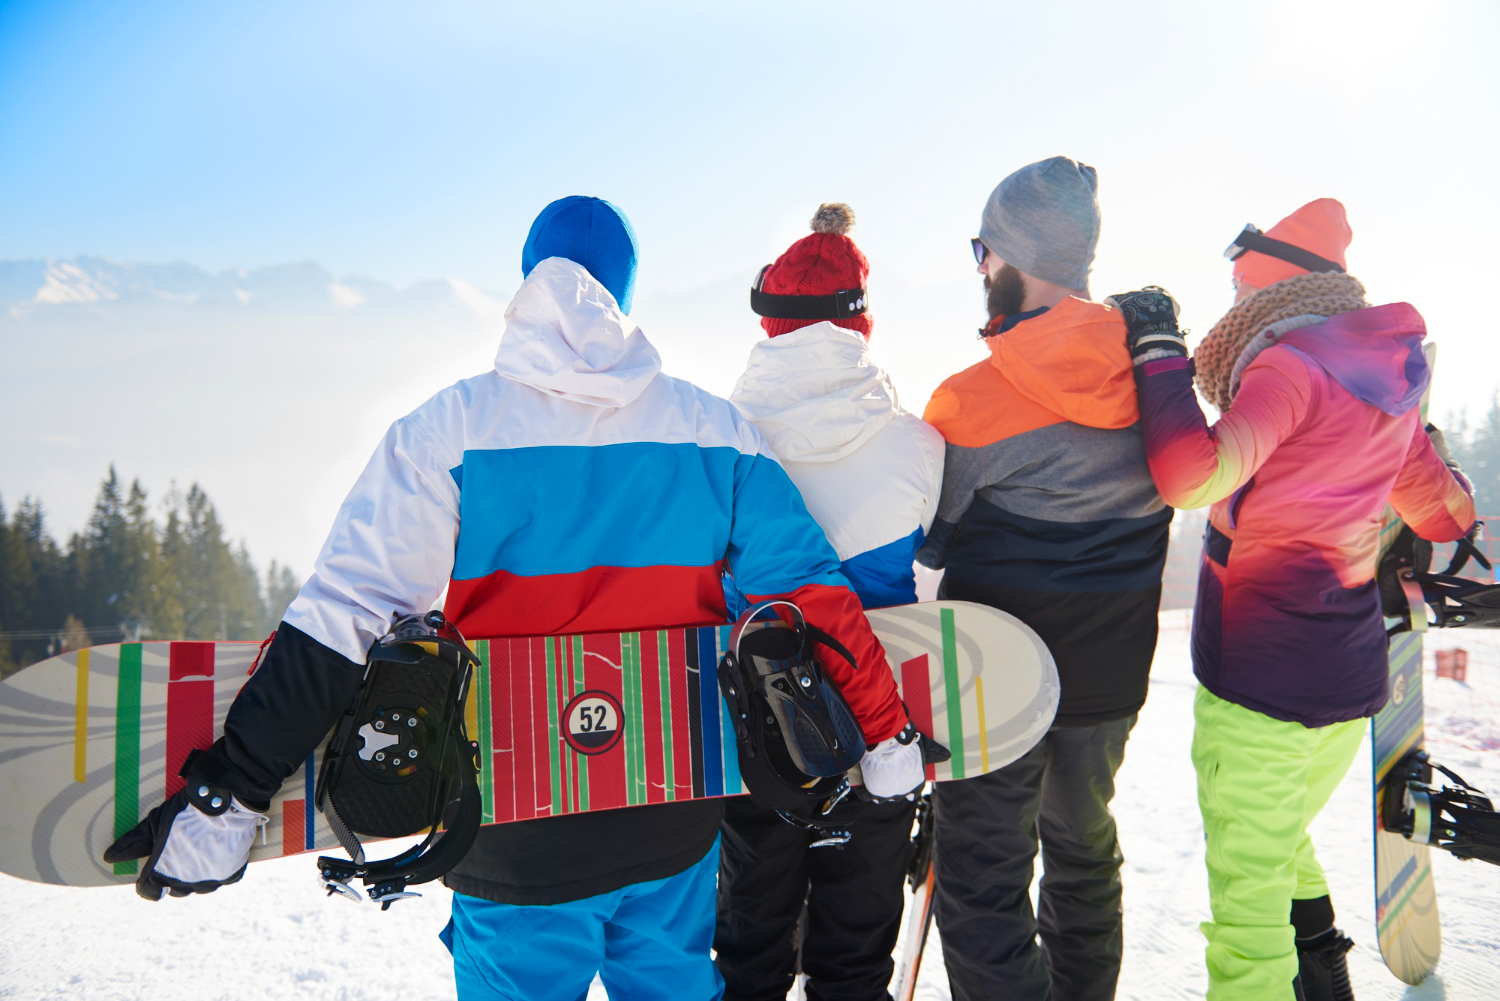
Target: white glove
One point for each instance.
(893, 767)
(202, 848)
(195, 842)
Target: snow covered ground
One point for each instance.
(277, 936)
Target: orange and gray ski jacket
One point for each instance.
(1048, 505)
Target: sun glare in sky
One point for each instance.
(408, 144)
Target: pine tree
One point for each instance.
(281, 587)
(33, 586)
(1477, 448)
(216, 586)
(126, 576)
(114, 559)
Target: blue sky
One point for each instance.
(408, 142)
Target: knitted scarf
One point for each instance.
(1323, 294)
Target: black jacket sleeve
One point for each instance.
(282, 713)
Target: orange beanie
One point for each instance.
(1319, 227)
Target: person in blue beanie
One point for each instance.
(591, 232)
(572, 488)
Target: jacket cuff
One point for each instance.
(283, 713)
(934, 552)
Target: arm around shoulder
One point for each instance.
(1195, 465)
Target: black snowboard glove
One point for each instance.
(195, 842)
(1150, 316)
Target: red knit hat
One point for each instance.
(1320, 227)
(825, 263)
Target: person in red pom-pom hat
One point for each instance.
(822, 264)
(870, 473)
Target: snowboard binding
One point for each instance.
(1408, 590)
(795, 735)
(1456, 818)
(400, 762)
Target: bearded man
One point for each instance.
(1048, 512)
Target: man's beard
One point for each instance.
(1006, 294)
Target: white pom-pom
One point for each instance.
(834, 218)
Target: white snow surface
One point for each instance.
(276, 935)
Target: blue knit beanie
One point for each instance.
(590, 232)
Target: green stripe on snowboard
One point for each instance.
(128, 748)
(664, 658)
(486, 757)
(580, 761)
(555, 766)
(950, 689)
(630, 674)
(637, 732)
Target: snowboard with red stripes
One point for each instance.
(92, 740)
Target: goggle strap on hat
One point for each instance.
(839, 305)
(1252, 238)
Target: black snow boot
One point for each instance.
(1322, 968)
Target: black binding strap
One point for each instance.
(1251, 238)
(842, 304)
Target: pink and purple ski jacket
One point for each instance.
(1323, 432)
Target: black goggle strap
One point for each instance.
(839, 305)
(1251, 238)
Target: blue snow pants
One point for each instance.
(647, 941)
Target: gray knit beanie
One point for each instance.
(1044, 219)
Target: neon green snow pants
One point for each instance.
(1261, 781)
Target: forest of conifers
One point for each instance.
(137, 570)
(130, 574)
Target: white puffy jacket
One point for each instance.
(869, 471)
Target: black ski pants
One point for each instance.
(987, 833)
(854, 898)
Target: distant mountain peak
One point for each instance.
(101, 282)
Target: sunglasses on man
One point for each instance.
(980, 250)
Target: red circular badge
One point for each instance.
(591, 722)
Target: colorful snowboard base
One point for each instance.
(90, 741)
(1407, 924)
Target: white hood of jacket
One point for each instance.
(815, 394)
(565, 335)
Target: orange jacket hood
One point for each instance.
(1072, 360)
(1069, 364)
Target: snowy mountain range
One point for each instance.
(228, 379)
(26, 286)
(288, 375)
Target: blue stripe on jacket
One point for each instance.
(565, 509)
(883, 576)
(880, 577)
